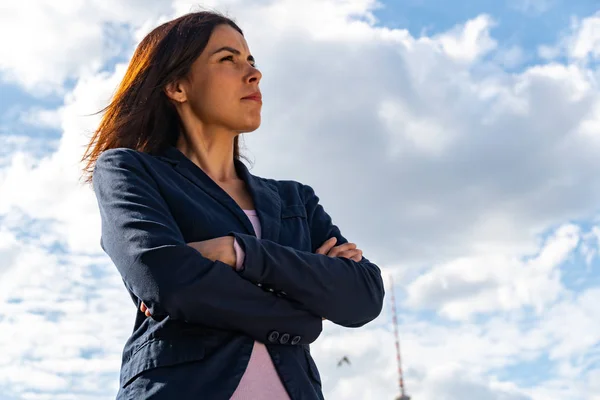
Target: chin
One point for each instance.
(248, 130)
(249, 127)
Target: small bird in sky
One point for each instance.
(344, 360)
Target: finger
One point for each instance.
(357, 257)
(344, 247)
(340, 249)
(359, 253)
(351, 254)
(145, 310)
(327, 245)
(348, 253)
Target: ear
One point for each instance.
(175, 91)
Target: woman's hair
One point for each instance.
(140, 115)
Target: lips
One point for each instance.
(254, 96)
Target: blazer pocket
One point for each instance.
(294, 230)
(293, 211)
(160, 353)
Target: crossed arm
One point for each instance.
(175, 279)
(222, 249)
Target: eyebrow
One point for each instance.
(231, 50)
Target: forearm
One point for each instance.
(217, 297)
(344, 291)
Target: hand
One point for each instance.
(220, 249)
(145, 310)
(346, 250)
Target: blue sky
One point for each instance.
(471, 178)
(527, 23)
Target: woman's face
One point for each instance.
(219, 80)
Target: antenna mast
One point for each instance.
(403, 395)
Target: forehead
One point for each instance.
(225, 35)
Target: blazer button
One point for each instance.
(273, 336)
(284, 338)
(296, 340)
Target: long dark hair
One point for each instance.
(140, 116)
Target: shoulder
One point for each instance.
(125, 159)
(122, 163)
(120, 156)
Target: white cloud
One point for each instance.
(585, 42)
(470, 41)
(409, 132)
(581, 43)
(464, 287)
(42, 118)
(63, 327)
(51, 42)
(451, 383)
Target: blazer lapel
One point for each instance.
(266, 201)
(265, 197)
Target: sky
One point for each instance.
(455, 142)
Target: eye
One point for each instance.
(230, 58)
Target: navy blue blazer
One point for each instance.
(206, 315)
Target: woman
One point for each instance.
(232, 274)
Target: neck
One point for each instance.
(211, 150)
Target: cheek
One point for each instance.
(204, 84)
(219, 94)
(209, 101)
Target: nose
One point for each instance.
(254, 76)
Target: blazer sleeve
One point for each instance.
(344, 291)
(174, 279)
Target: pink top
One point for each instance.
(260, 380)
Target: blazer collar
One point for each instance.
(264, 194)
